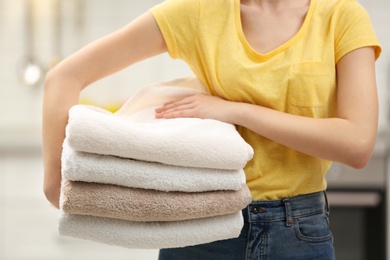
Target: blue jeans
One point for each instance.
(293, 228)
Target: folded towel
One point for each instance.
(134, 133)
(151, 235)
(89, 167)
(113, 201)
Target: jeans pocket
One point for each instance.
(313, 228)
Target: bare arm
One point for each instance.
(349, 138)
(139, 40)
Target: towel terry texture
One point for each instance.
(89, 167)
(189, 142)
(126, 203)
(134, 181)
(150, 235)
(182, 141)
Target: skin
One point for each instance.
(348, 138)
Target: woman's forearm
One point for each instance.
(137, 41)
(348, 138)
(61, 93)
(334, 139)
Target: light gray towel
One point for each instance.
(89, 167)
(151, 235)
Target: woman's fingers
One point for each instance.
(171, 105)
(175, 108)
(198, 106)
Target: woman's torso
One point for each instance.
(291, 71)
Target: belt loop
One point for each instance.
(287, 206)
(246, 214)
(327, 207)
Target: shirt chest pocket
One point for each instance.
(311, 85)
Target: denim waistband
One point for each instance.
(286, 209)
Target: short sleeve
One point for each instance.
(354, 30)
(178, 23)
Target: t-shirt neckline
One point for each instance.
(281, 48)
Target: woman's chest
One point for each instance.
(266, 31)
(297, 81)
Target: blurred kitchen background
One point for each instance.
(36, 34)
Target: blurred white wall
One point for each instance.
(83, 21)
(20, 106)
(379, 11)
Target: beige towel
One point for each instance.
(112, 201)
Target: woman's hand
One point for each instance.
(197, 106)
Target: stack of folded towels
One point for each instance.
(134, 181)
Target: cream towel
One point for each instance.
(126, 203)
(150, 235)
(88, 167)
(134, 133)
(156, 94)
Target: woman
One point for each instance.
(297, 78)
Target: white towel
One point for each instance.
(88, 167)
(134, 133)
(151, 235)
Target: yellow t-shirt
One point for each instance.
(298, 77)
